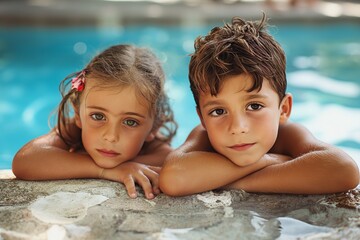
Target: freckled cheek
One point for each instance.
(131, 146)
(131, 151)
(217, 139)
(216, 129)
(134, 136)
(269, 132)
(89, 137)
(215, 124)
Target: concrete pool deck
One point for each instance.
(100, 209)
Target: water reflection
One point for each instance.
(294, 229)
(314, 80)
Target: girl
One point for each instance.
(120, 129)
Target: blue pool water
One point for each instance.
(323, 74)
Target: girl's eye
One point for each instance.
(254, 107)
(217, 112)
(97, 117)
(130, 123)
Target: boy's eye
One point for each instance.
(97, 117)
(217, 112)
(254, 106)
(130, 123)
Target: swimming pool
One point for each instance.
(323, 75)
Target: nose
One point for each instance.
(111, 133)
(238, 124)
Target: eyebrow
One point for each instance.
(247, 97)
(125, 113)
(211, 103)
(258, 95)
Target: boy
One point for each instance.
(237, 76)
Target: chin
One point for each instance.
(105, 164)
(244, 163)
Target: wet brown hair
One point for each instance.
(234, 49)
(120, 66)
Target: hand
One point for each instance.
(130, 173)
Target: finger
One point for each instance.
(156, 190)
(153, 176)
(145, 183)
(130, 186)
(155, 169)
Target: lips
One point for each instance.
(242, 147)
(108, 153)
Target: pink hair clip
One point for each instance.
(78, 82)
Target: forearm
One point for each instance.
(196, 172)
(50, 163)
(317, 172)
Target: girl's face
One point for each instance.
(114, 124)
(243, 125)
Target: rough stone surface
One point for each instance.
(99, 209)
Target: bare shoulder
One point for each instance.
(294, 139)
(36, 145)
(51, 139)
(197, 140)
(154, 153)
(72, 132)
(154, 146)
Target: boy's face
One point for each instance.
(114, 124)
(243, 125)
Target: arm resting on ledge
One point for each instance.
(298, 163)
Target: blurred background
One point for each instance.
(43, 41)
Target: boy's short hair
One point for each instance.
(233, 49)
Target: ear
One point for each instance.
(151, 136)
(200, 116)
(285, 108)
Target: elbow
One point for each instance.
(353, 177)
(349, 177)
(18, 168)
(172, 183)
